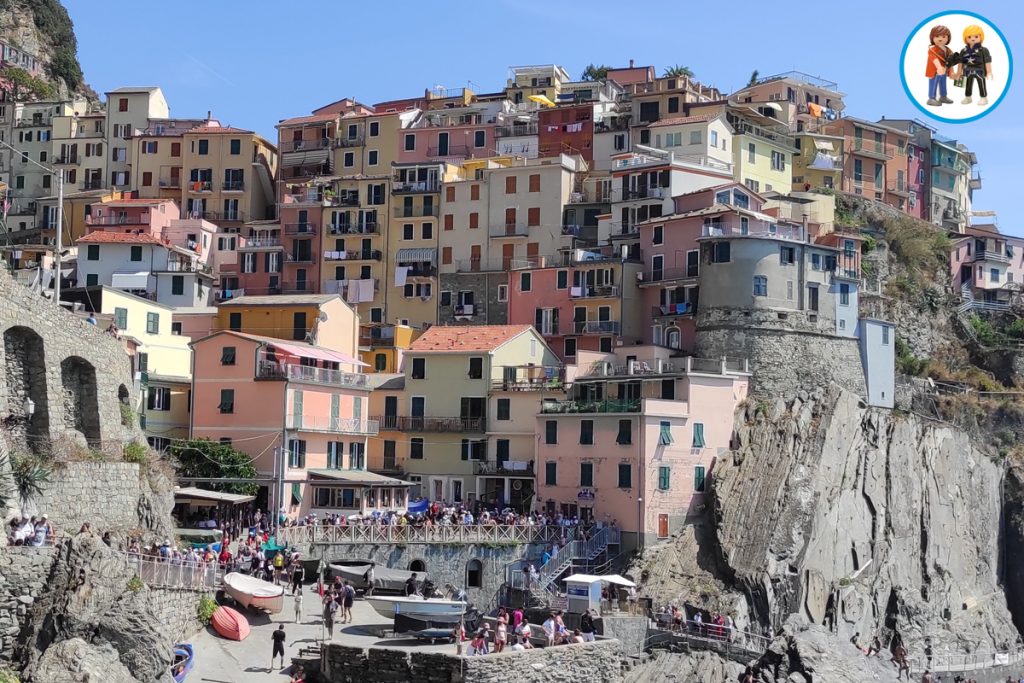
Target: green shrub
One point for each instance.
(135, 452)
(1016, 328)
(983, 328)
(207, 606)
(30, 475)
(135, 584)
(8, 676)
(128, 416)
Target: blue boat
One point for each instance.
(184, 658)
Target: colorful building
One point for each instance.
(321, 319)
(382, 347)
(987, 268)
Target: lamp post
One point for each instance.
(639, 522)
(59, 173)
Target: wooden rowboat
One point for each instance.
(230, 623)
(249, 591)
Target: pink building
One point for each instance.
(637, 438)
(918, 171)
(300, 412)
(986, 267)
(150, 216)
(451, 135)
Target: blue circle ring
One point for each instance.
(903, 75)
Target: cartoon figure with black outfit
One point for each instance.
(938, 64)
(975, 64)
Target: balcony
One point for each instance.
(344, 199)
(200, 186)
(416, 211)
(677, 310)
(233, 186)
(530, 378)
(556, 407)
(989, 255)
(356, 141)
(509, 230)
(509, 467)
(95, 184)
(594, 292)
(254, 243)
(515, 130)
(595, 326)
(301, 229)
(460, 151)
(357, 255)
(118, 219)
(415, 187)
(222, 216)
(870, 148)
(364, 228)
(66, 159)
(173, 182)
(332, 425)
(663, 366)
(303, 145)
(419, 270)
(299, 287)
(652, 276)
(899, 187)
(408, 423)
(300, 258)
(378, 337)
(620, 195)
(771, 231)
(621, 230)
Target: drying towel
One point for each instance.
(815, 109)
(575, 291)
(365, 290)
(400, 274)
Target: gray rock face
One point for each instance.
(76, 661)
(867, 521)
(705, 667)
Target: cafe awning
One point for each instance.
(317, 352)
(139, 280)
(541, 99)
(422, 255)
(197, 494)
(591, 578)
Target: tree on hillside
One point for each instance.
(677, 71)
(595, 72)
(21, 85)
(202, 458)
(753, 77)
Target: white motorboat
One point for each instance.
(249, 591)
(427, 609)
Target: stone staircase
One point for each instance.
(544, 591)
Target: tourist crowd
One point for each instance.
(32, 531)
(485, 640)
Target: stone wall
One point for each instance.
(631, 632)
(110, 496)
(785, 355)
(49, 356)
(599, 661)
(487, 310)
(444, 563)
(23, 574)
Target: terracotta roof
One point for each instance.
(101, 237)
(298, 120)
(680, 120)
(469, 338)
(214, 130)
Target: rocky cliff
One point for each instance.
(43, 28)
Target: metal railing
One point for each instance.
(449, 151)
(596, 326)
(233, 186)
(200, 186)
(364, 228)
(562, 558)
(407, 187)
(593, 291)
(357, 141)
(990, 255)
(454, 534)
(118, 219)
(304, 373)
(299, 228)
(156, 572)
(968, 661)
(515, 130)
(333, 425)
(416, 211)
(357, 255)
(557, 407)
(300, 145)
(260, 243)
(691, 634)
(411, 423)
(509, 230)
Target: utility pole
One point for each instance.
(60, 229)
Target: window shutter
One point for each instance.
(698, 435)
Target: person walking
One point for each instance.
(298, 576)
(899, 657)
(587, 626)
(348, 595)
(298, 607)
(368, 579)
(501, 632)
(330, 610)
(278, 638)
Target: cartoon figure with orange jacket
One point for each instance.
(974, 64)
(938, 58)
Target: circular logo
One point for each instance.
(956, 66)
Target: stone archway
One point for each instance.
(28, 408)
(81, 407)
(417, 566)
(124, 405)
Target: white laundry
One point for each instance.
(400, 274)
(365, 290)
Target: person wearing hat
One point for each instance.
(165, 550)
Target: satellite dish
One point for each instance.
(322, 317)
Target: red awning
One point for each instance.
(305, 351)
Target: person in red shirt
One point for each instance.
(937, 69)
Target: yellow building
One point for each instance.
(77, 207)
(321, 319)
(543, 80)
(388, 452)
(163, 357)
(382, 347)
(762, 151)
(818, 161)
(156, 155)
(78, 141)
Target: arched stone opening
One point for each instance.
(28, 409)
(417, 566)
(81, 407)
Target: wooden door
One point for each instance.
(508, 252)
(662, 526)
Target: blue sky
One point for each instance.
(254, 63)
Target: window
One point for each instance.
(994, 272)
(153, 323)
(227, 355)
(122, 104)
(227, 401)
(665, 434)
(476, 367)
(297, 453)
(659, 235)
(625, 436)
(474, 220)
(885, 335)
(178, 284)
(93, 252)
(504, 409)
(147, 178)
(502, 293)
(371, 157)
(235, 146)
(136, 253)
(410, 142)
(587, 432)
(787, 255)
(525, 282)
(121, 318)
(698, 435)
(844, 294)
(474, 449)
(625, 475)
(586, 474)
(721, 252)
(204, 147)
(419, 368)
(416, 448)
(562, 279)
(569, 348)
(428, 231)
(698, 479)
(778, 161)
(533, 216)
(474, 574)
(751, 152)
(535, 182)
(175, 149)
(695, 137)
(374, 128)
(159, 398)
(510, 184)
(551, 432)
(149, 147)
(664, 478)
(479, 138)
(335, 455)
(760, 285)
(714, 138)
(789, 290)
(551, 474)
(349, 159)
(408, 231)
(380, 362)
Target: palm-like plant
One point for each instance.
(677, 71)
(595, 72)
(753, 77)
(6, 485)
(29, 476)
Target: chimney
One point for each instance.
(631, 64)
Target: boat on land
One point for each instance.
(184, 659)
(424, 609)
(229, 623)
(384, 578)
(249, 591)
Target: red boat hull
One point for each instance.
(230, 624)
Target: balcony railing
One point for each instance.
(533, 378)
(553, 406)
(512, 467)
(357, 141)
(419, 270)
(236, 216)
(332, 425)
(345, 199)
(299, 228)
(594, 292)
(260, 243)
(327, 534)
(233, 186)
(299, 257)
(515, 130)
(989, 255)
(409, 423)
(897, 187)
(670, 274)
(301, 145)
(449, 151)
(413, 187)
(382, 337)
(509, 230)
(276, 370)
(620, 195)
(171, 182)
(416, 211)
(92, 185)
(304, 287)
(66, 159)
(200, 186)
(870, 147)
(595, 326)
(118, 219)
(364, 228)
(357, 255)
(674, 310)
